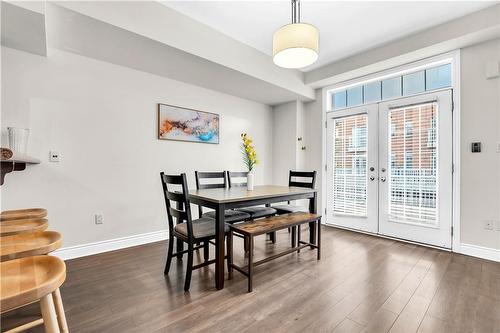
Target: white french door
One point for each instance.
(352, 163)
(390, 168)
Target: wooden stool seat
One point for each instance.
(32, 244)
(22, 214)
(14, 227)
(27, 279)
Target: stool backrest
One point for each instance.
(178, 198)
(217, 180)
(238, 178)
(309, 183)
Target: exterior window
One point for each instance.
(358, 139)
(393, 129)
(408, 128)
(409, 160)
(431, 134)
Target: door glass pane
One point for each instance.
(350, 165)
(413, 153)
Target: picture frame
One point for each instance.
(176, 123)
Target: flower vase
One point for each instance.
(250, 181)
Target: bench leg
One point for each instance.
(294, 235)
(319, 238)
(312, 233)
(230, 255)
(298, 237)
(250, 263)
(272, 236)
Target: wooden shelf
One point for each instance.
(14, 161)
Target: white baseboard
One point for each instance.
(83, 250)
(480, 252)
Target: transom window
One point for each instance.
(399, 86)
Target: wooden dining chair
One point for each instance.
(239, 179)
(297, 179)
(186, 229)
(305, 179)
(31, 279)
(206, 180)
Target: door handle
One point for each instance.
(382, 179)
(372, 178)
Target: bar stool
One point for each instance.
(32, 244)
(15, 227)
(21, 214)
(31, 279)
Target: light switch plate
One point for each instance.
(54, 156)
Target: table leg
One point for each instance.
(313, 208)
(219, 246)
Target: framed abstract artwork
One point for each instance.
(183, 124)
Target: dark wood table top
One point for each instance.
(236, 194)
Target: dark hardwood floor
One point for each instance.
(362, 283)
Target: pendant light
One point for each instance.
(295, 45)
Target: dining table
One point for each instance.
(221, 199)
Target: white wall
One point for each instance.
(480, 121)
(313, 131)
(284, 141)
(102, 119)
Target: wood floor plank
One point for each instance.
(362, 283)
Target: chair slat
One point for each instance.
(297, 184)
(202, 174)
(172, 179)
(207, 186)
(305, 174)
(181, 215)
(175, 196)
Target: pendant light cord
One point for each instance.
(295, 11)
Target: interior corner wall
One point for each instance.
(313, 129)
(284, 141)
(102, 119)
(480, 122)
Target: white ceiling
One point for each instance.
(346, 28)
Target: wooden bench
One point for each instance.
(258, 227)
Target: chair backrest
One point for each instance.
(180, 198)
(217, 180)
(309, 182)
(238, 178)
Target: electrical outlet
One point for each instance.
(98, 219)
(54, 156)
(488, 225)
